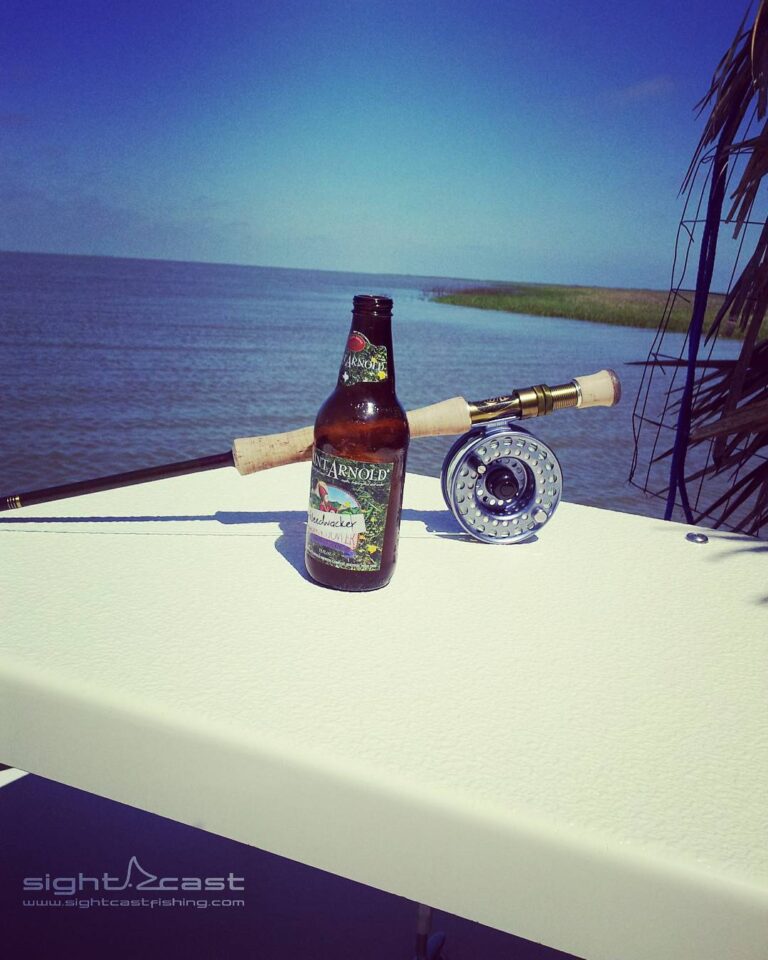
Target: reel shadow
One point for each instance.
(444, 525)
(439, 522)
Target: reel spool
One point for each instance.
(501, 483)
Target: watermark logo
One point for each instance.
(71, 891)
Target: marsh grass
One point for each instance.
(627, 308)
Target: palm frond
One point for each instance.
(720, 410)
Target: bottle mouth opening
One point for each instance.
(372, 303)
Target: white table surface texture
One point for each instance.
(566, 739)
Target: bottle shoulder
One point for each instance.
(362, 427)
(360, 406)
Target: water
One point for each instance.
(111, 365)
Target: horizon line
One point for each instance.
(378, 273)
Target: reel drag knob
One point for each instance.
(501, 483)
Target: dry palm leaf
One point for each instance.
(723, 405)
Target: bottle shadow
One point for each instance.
(291, 542)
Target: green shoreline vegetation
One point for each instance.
(627, 308)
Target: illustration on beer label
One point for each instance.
(348, 503)
(363, 361)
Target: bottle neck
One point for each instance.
(368, 360)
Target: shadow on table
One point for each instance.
(290, 543)
(292, 523)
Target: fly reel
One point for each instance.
(501, 483)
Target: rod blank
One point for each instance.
(115, 480)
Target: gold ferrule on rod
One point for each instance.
(13, 503)
(496, 408)
(538, 401)
(535, 401)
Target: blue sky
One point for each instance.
(511, 140)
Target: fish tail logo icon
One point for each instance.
(145, 884)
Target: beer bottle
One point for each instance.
(358, 461)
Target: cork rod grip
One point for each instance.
(252, 454)
(440, 419)
(448, 417)
(601, 389)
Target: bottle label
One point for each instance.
(363, 361)
(348, 503)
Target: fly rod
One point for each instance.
(448, 417)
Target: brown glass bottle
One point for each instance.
(358, 461)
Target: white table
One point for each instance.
(567, 740)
